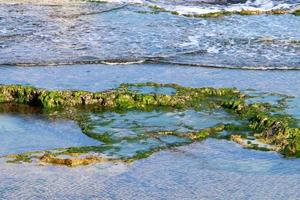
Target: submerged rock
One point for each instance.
(261, 120)
(252, 144)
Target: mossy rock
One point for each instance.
(258, 118)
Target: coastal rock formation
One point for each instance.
(264, 121)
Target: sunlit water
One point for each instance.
(212, 169)
(134, 128)
(20, 134)
(92, 38)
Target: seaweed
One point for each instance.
(264, 121)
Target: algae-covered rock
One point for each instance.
(18, 158)
(223, 13)
(72, 161)
(120, 97)
(264, 121)
(296, 13)
(125, 100)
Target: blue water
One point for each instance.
(97, 46)
(213, 169)
(20, 134)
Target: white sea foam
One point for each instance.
(193, 41)
(188, 6)
(123, 63)
(256, 5)
(213, 49)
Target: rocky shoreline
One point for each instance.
(265, 122)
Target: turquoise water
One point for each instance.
(132, 131)
(212, 169)
(97, 46)
(139, 122)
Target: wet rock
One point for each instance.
(238, 139)
(259, 118)
(72, 161)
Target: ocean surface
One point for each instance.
(96, 46)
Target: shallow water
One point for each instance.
(103, 77)
(20, 134)
(213, 169)
(198, 171)
(131, 131)
(92, 46)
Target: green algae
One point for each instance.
(118, 98)
(18, 158)
(264, 121)
(157, 8)
(296, 13)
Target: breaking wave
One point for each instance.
(218, 7)
(160, 60)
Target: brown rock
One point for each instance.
(71, 162)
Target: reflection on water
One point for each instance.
(169, 49)
(103, 77)
(129, 132)
(213, 169)
(134, 131)
(19, 134)
(201, 170)
(136, 123)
